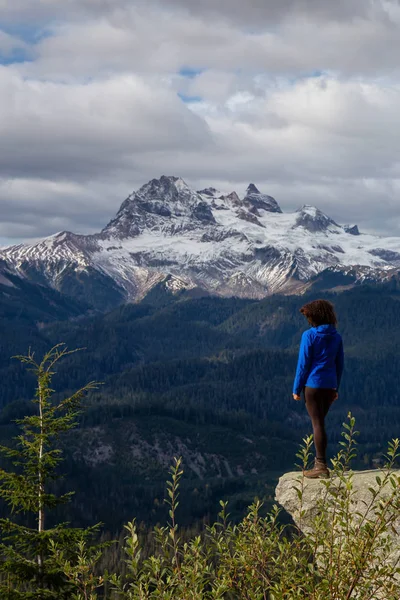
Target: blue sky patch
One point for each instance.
(189, 99)
(190, 72)
(18, 55)
(25, 38)
(26, 33)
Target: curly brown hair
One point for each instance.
(319, 312)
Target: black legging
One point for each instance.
(318, 403)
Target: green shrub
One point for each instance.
(342, 555)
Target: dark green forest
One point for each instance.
(205, 378)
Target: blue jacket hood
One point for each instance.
(325, 330)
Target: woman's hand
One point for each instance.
(296, 397)
(336, 396)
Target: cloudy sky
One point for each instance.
(301, 97)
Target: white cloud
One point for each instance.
(264, 13)
(85, 130)
(96, 113)
(214, 85)
(31, 12)
(34, 207)
(151, 40)
(257, 13)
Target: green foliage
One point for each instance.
(27, 548)
(79, 568)
(343, 554)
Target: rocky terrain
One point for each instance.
(220, 244)
(353, 524)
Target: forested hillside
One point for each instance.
(206, 378)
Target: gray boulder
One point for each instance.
(314, 490)
(361, 502)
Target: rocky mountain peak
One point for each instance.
(252, 189)
(169, 188)
(210, 192)
(233, 199)
(157, 205)
(352, 229)
(225, 244)
(313, 220)
(254, 200)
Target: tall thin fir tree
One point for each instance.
(28, 568)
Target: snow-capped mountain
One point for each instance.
(221, 243)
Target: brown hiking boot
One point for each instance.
(319, 470)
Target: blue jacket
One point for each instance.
(321, 359)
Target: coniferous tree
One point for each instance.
(28, 567)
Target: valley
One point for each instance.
(206, 378)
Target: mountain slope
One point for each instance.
(166, 233)
(206, 378)
(25, 303)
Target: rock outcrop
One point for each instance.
(315, 491)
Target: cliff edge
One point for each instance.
(364, 485)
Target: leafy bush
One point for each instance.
(343, 555)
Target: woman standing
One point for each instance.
(319, 371)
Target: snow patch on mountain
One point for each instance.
(221, 242)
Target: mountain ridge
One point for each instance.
(224, 244)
